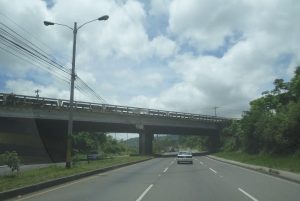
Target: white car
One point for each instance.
(185, 157)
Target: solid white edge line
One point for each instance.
(144, 193)
(165, 170)
(247, 194)
(253, 171)
(213, 170)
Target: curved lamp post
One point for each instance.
(73, 75)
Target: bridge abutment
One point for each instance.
(54, 137)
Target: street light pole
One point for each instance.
(70, 121)
(73, 77)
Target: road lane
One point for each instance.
(259, 185)
(192, 182)
(124, 184)
(162, 179)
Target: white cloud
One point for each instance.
(27, 87)
(163, 47)
(214, 53)
(159, 7)
(205, 24)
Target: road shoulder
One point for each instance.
(270, 171)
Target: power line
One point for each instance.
(215, 108)
(19, 46)
(33, 36)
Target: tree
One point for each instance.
(231, 136)
(272, 124)
(12, 160)
(112, 146)
(85, 142)
(295, 84)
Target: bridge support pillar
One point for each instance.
(214, 143)
(145, 142)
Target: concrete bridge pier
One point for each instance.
(214, 142)
(145, 142)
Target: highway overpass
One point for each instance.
(49, 117)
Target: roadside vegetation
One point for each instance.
(105, 145)
(269, 133)
(174, 143)
(109, 152)
(35, 176)
(11, 159)
(283, 162)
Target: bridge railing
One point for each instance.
(50, 103)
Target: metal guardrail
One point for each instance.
(50, 103)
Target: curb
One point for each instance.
(35, 187)
(294, 177)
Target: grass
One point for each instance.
(52, 172)
(289, 163)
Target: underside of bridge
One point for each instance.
(48, 137)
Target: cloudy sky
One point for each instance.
(189, 55)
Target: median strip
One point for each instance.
(38, 179)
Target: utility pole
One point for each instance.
(73, 76)
(37, 93)
(215, 108)
(127, 141)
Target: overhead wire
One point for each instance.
(35, 37)
(22, 53)
(22, 48)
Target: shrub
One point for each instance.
(12, 160)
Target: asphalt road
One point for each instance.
(161, 179)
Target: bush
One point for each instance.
(2, 159)
(12, 160)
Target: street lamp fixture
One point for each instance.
(105, 17)
(47, 23)
(73, 76)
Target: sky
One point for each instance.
(188, 56)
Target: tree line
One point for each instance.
(272, 124)
(85, 142)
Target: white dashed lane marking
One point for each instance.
(248, 195)
(144, 193)
(213, 170)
